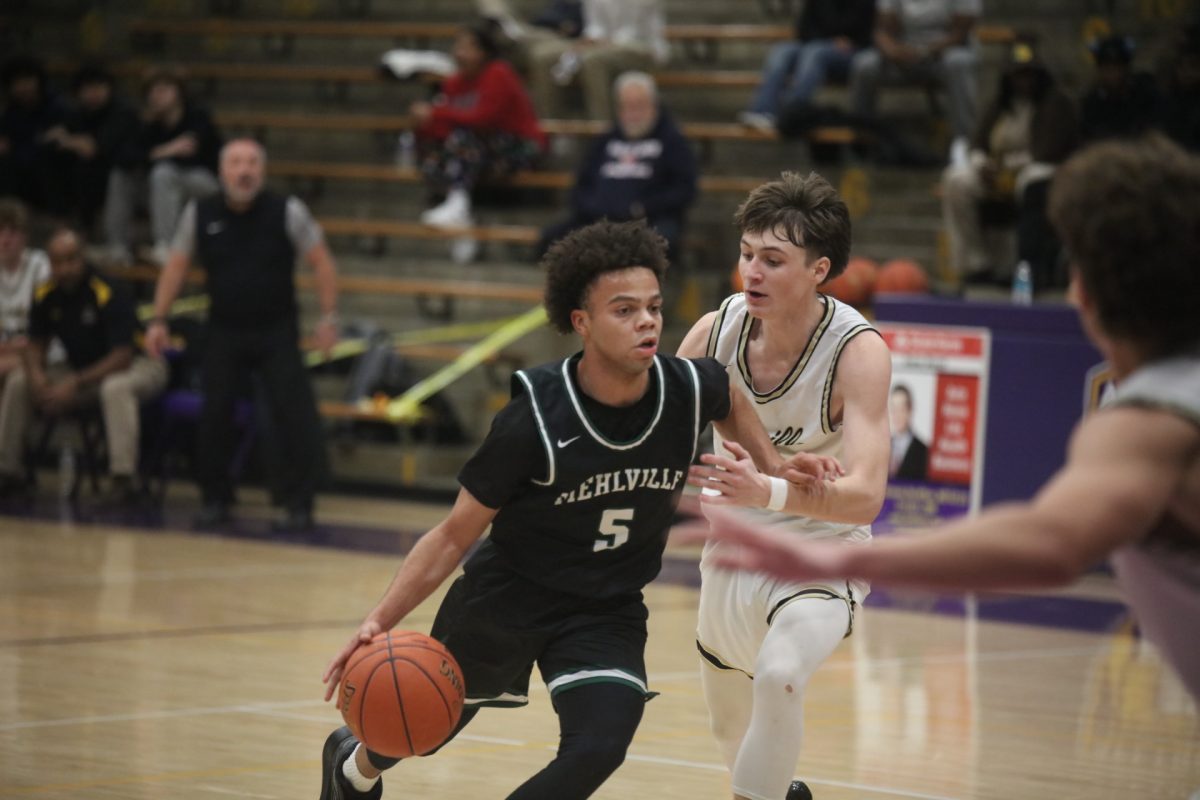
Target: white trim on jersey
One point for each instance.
(695, 406)
(616, 675)
(587, 423)
(541, 423)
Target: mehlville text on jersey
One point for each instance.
(623, 480)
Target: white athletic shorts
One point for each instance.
(737, 608)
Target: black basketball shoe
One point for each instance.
(799, 791)
(334, 786)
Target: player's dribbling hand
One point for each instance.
(333, 673)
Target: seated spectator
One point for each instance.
(618, 36)
(95, 323)
(1121, 102)
(557, 18)
(27, 170)
(178, 144)
(22, 270)
(1183, 92)
(1030, 128)
(918, 41)
(94, 130)
(642, 168)
(828, 34)
(482, 125)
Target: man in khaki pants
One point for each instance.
(96, 325)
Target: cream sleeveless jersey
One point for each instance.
(1160, 574)
(795, 413)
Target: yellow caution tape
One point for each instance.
(188, 305)
(445, 333)
(406, 407)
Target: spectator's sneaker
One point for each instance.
(757, 120)
(454, 212)
(799, 791)
(334, 786)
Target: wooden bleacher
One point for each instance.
(368, 74)
(333, 170)
(394, 123)
(215, 26)
(354, 284)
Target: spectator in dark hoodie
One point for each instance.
(89, 139)
(27, 165)
(642, 168)
(828, 34)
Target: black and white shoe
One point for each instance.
(334, 786)
(799, 791)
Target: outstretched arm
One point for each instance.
(1124, 467)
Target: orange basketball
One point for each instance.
(902, 276)
(856, 284)
(735, 280)
(402, 694)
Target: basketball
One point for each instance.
(735, 280)
(856, 284)
(402, 694)
(902, 276)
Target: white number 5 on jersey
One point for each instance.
(613, 531)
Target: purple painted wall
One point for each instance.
(1040, 357)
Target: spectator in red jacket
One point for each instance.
(481, 125)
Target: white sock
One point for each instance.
(359, 781)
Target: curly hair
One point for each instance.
(574, 262)
(1128, 213)
(806, 211)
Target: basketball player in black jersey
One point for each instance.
(579, 478)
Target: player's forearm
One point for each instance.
(852, 499)
(1006, 547)
(431, 561)
(324, 278)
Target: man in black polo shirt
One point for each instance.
(248, 239)
(95, 323)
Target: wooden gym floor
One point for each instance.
(146, 661)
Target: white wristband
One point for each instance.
(779, 493)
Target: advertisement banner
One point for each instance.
(937, 407)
